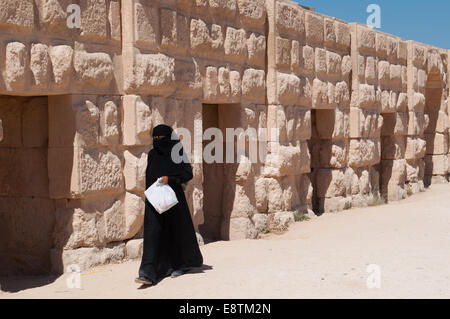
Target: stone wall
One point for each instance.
(360, 114)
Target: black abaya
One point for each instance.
(170, 242)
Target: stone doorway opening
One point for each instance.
(27, 214)
(390, 145)
(435, 133)
(218, 176)
(320, 147)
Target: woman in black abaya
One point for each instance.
(170, 242)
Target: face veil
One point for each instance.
(162, 139)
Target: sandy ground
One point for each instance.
(326, 257)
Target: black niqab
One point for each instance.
(170, 242)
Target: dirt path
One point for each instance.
(326, 257)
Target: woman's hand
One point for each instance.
(165, 180)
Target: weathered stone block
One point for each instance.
(436, 164)
(366, 39)
(93, 68)
(393, 147)
(146, 24)
(333, 64)
(314, 27)
(415, 148)
(342, 34)
(288, 160)
(256, 46)
(15, 64)
(290, 18)
(288, 88)
(330, 183)
(252, 12)
(319, 94)
(437, 144)
(61, 59)
(99, 171)
(134, 170)
(93, 18)
(114, 18)
(384, 73)
(367, 96)
(235, 44)
(17, 12)
(364, 152)
(153, 72)
(137, 121)
(253, 85)
(283, 56)
(40, 64)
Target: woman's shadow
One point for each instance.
(198, 270)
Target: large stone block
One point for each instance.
(342, 94)
(332, 124)
(134, 170)
(223, 7)
(364, 152)
(40, 64)
(438, 122)
(52, 15)
(109, 123)
(174, 30)
(93, 68)
(319, 94)
(145, 24)
(86, 258)
(235, 44)
(366, 39)
(288, 160)
(154, 73)
(204, 42)
(331, 154)
(436, 164)
(133, 210)
(75, 172)
(290, 18)
(137, 121)
(15, 65)
(99, 171)
(314, 27)
(253, 85)
(283, 52)
(252, 12)
(114, 19)
(417, 123)
(330, 183)
(367, 96)
(61, 59)
(94, 18)
(334, 61)
(437, 144)
(393, 147)
(188, 78)
(415, 148)
(256, 46)
(238, 229)
(17, 13)
(365, 124)
(343, 37)
(288, 88)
